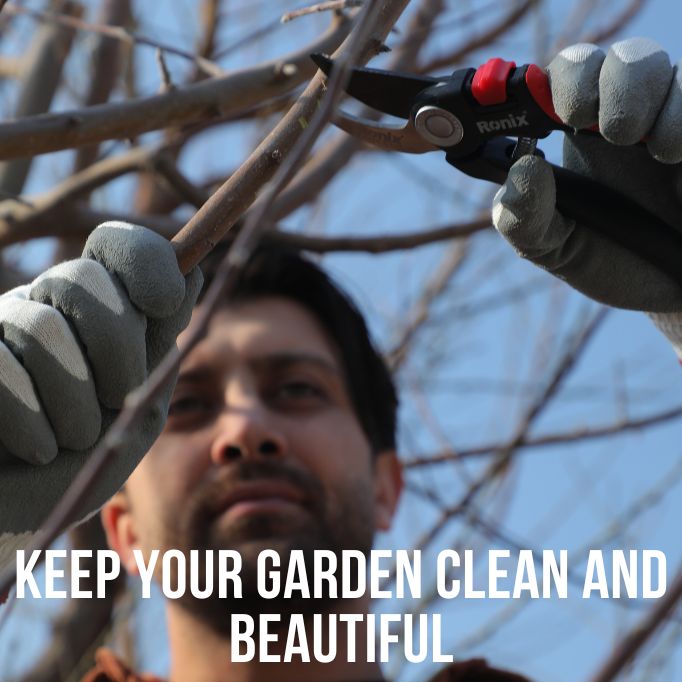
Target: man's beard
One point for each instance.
(345, 522)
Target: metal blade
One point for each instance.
(387, 91)
(384, 136)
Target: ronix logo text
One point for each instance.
(507, 123)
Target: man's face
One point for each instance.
(262, 448)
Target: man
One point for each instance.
(280, 435)
(281, 430)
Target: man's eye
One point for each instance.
(299, 390)
(188, 405)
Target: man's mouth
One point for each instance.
(262, 497)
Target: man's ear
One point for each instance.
(120, 530)
(388, 484)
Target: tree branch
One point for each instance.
(629, 646)
(37, 216)
(419, 314)
(504, 455)
(577, 436)
(165, 166)
(205, 100)
(388, 13)
(322, 168)
(120, 33)
(381, 243)
(228, 204)
(106, 66)
(516, 14)
(41, 75)
(622, 20)
(328, 6)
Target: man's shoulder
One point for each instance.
(475, 670)
(109, 668)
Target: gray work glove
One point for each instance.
(73, 344)
(632, 92)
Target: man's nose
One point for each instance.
(247, 429)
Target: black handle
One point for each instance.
(591, 204)
(621, 220)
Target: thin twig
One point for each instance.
(150, 195)
(38, 86)
(646, 502)
(106, 65)
(628, 647)
(573, 353)
(324, 166)
(571, 437)
(166, 80)
(330, 5)
(508, 296)
(622, 20)
(382, 243)
(22, 220)
(516, 14)
(249, 38)
(120, 33)
(415, 319)
(10, 67)
(166, 167)
(504, 455)
(574, 23)
(211, 23)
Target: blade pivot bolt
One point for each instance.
(438, 126)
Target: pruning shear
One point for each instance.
(484, 120)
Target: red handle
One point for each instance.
(538, 86)
(489, 85)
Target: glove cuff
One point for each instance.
(670, 324)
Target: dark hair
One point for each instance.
(281, 271)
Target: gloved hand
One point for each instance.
(73, 344)
(633, 93)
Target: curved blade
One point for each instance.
(384, 136)
(388, 91)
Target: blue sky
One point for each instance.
(471, 376)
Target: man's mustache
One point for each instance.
(217, 483)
